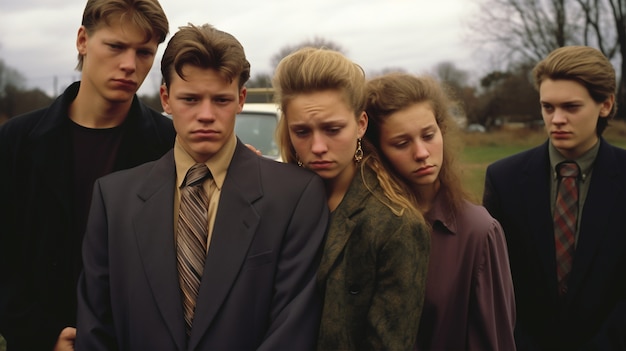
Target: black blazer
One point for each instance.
(39, 255)
(258, 286)
(592, 315)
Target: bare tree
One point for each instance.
(523, 31)
(453, 77)
(11, 83)
(316, 42)
(10, 77)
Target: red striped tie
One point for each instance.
(565, 221)
(191, 238)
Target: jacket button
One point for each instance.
(354, 290)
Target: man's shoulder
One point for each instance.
(617, 151)
(161, 121)
(21, 125)
(136, 173)
(281, 172)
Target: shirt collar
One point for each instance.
(585, 161)
(218, 164)
(440, 215)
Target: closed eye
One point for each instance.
(428, 136)
(300, 132)
(333, 130)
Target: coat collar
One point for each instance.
(342, 223)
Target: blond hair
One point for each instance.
(310, 70)
(148, 15)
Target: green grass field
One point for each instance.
(480, 150)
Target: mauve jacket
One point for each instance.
(372, 274)
(469, 303)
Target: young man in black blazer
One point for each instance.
(50, 158)
(569, 283)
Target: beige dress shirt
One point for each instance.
(218, 165)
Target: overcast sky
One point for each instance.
(37, 37)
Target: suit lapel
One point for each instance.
(235, 225)
(604, 193)
(154, 228)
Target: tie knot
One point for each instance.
(196, 174)
(568, 169)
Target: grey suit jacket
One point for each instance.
(592, 314)
(258, 287)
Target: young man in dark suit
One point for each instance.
(50, 158)
(260, 225)
(562, 208)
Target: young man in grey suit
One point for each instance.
(567, 250)
(263, 233)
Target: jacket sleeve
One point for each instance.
(492, 314)
(25, 321)
(95, 329)
(296, 304)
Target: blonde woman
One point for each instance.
(374, 264)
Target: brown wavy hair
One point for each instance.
(205, 47)
(394, 92)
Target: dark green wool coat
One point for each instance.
(373, 273)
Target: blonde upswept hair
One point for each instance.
(310, 70)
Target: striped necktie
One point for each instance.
(191, 238)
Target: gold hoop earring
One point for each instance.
(358, 154)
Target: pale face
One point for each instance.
(412, 142)
(570, 116)
(116, 60)
(324, 132)
(203, 108)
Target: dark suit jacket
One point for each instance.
(592, 315)
(39, 253)
(258, 286)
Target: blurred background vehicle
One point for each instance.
(256, 125)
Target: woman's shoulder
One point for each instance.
(476, 221)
